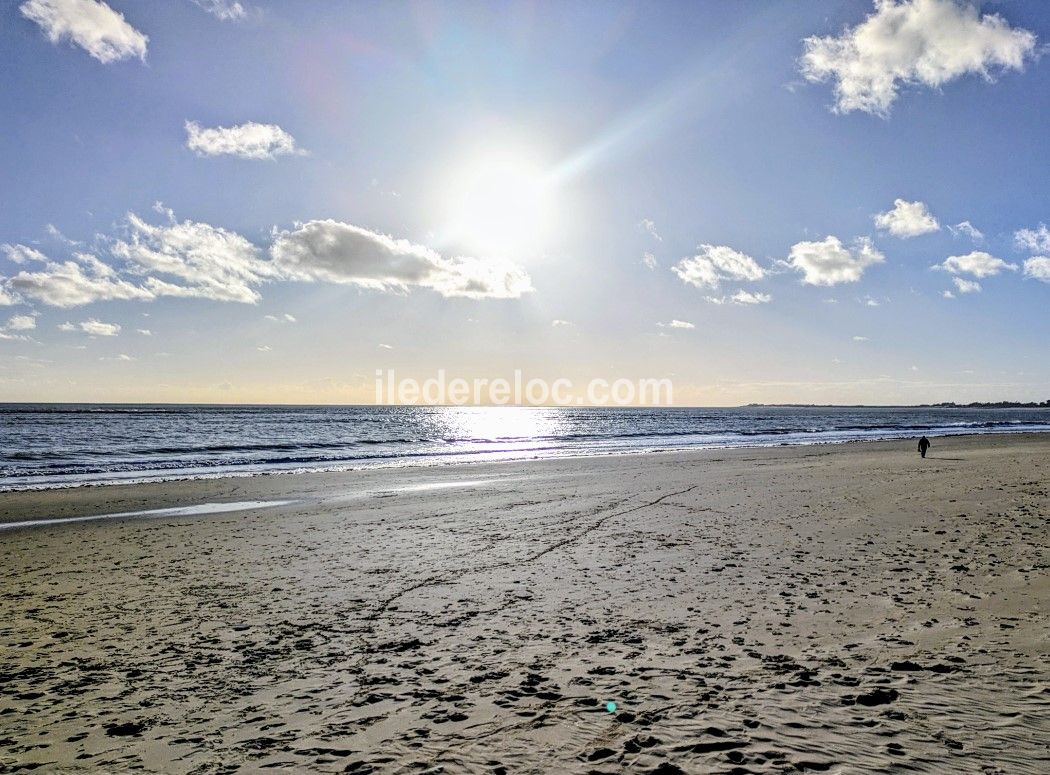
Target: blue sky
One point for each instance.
(431, 186)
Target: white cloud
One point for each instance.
(207, 262)
(912, 42)
(948, 295)
(21, 323)
(966, 286)
(72, 283)
(650, 229)
(741, 297)
(144, 331)
(967, 229)
(1038, 268)
(978, 263)
(55, 234)
(98, 328)
(264, 348)
(676, 324)
(1037, 240)
(746, 297)
(384, 346)
(289, 318)
(560, 323)
(332, 251)
(224, 10)
(714, 263)
(90, 24)
(829, 262)
(197, 260)
(861, 339)
(649, 260)
(21, 254)
(906, 219)
(247, 141)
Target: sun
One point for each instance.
(500, 203)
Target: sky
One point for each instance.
(267, 202)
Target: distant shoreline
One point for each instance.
(941, 405)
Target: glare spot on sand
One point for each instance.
(177, 511)
(437, 485)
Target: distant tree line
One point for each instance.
(994, 405)
(942, 405)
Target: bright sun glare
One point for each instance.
(501, 204)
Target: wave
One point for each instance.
(74, 466)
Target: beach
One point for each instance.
(826, 608)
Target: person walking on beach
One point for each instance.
(924, 444)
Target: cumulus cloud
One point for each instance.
(677, 324)
(741, 297)
(967, 229)
(98, 328)
(199, 260)
(829, 262)
(906, 219)
(336, 252)
(224, 10)
(72, 283)
(91, 24)
(247, 141)
(1038, 268)
(22, 254)
(966, 286)
(649, 260)
(1037, 240)
(912, 42)
(714, 263)
(560, 323)
(978, 263)
(746, 297)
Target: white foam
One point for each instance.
(177, 511)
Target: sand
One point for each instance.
(846, 608)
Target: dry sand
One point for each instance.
(839, 609)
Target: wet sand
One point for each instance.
(846, 608)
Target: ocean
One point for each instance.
(61, 445)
